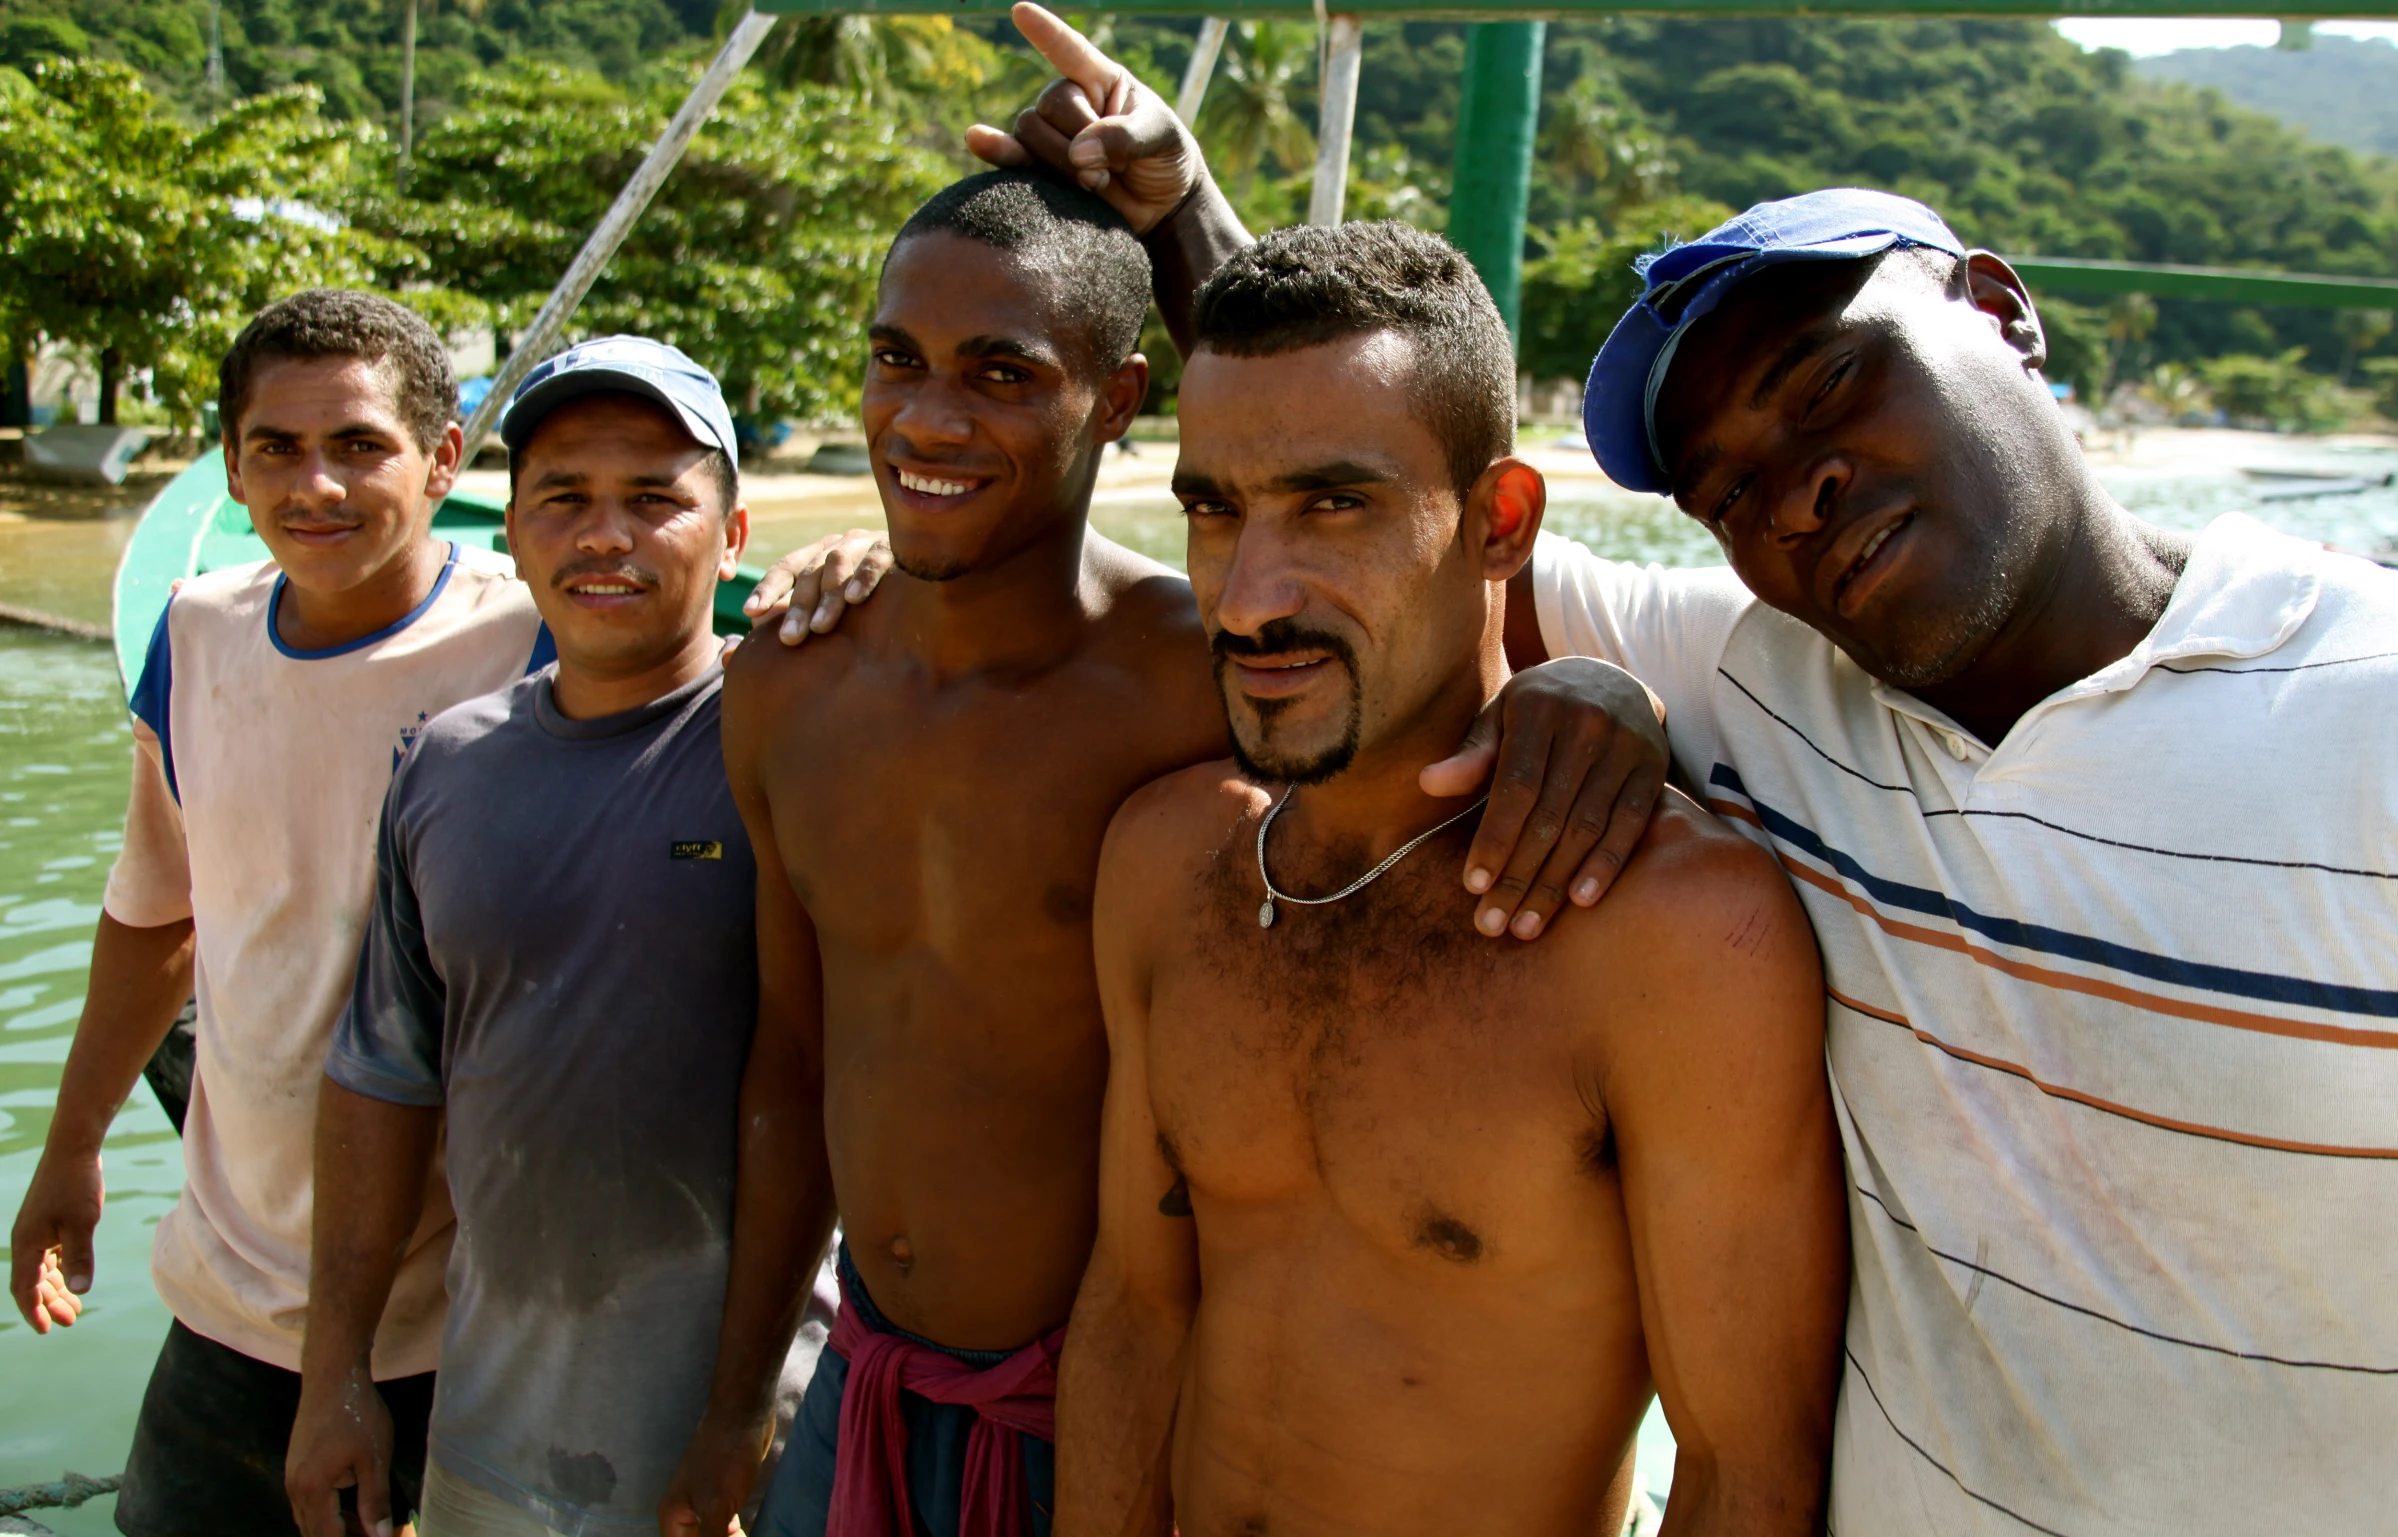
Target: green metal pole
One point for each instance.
(1492, 176)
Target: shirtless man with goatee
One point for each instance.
(926, 790)
(1397, 1227)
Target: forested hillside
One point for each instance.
(349, 51)
(1651, 128)
(2342, 90)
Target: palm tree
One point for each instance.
(847, 52)
(1249, 113)
(1594, 136)
(2360, 331)
(2130, 319)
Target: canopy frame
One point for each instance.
(1497, 120)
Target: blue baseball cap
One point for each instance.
(629, 365)
(1619, 405)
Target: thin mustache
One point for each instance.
(637, 575)
(1277, 639)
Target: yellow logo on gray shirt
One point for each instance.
(698, 848)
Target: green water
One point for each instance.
(68, 1400)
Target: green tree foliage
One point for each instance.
(2022, 140)
(1251, 120)
(2342, 90)
(1581, 281)
(758, 257)
(920, 67)
(2276, 391)
(349, 49)
(146, 243)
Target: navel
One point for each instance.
(903, 1254)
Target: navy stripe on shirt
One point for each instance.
(2268, 986)
(152, 694)
(275, 601)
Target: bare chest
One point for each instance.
(963, 826)
(1382, 1058)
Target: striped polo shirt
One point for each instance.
(2113, 1035)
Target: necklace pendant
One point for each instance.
(1265, 913)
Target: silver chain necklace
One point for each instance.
(1265, 909)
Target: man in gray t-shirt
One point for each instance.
(562, 958)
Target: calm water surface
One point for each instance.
(68, 1400)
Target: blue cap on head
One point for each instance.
(1619, 406)
(630, 365)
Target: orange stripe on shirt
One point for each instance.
(2066, 981)
(2192, 1128)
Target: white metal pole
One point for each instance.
(1202, 65)
(543, 334)
(1334, 119)
(407, 88)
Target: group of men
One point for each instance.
(1081, 939)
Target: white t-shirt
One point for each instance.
(2113, 1037)
(258, 778)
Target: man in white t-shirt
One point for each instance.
(274, 704)
(2098, 828)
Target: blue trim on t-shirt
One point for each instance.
(545, 650)
(275, 601)
(154, 692)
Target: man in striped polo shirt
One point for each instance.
(2095, 824)
(2098, 828)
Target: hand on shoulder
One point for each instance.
(1703, 912)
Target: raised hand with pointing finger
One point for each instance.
(1097, 124)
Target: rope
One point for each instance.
(57, 624)
(65, 1494)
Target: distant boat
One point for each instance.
(2300, 485)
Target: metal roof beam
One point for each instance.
(1493, 10)
(2228, 285)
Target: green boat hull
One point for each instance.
(195, 527)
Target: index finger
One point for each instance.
(27, 1262)
(1507, 831)
(1070, 53)
(772, 593)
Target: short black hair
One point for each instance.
(718, 464)
(1309, 285)
(343, 323)
(1089, 254)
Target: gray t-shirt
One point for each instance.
(563, 955)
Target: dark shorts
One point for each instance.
(207, 1458)
(801, 1497)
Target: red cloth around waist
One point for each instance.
(1014, 1399)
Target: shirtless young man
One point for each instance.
(929, 1054)
(1456, 1205)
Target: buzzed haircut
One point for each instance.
(343, 323)
(1306, 286)
(1094, 262)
